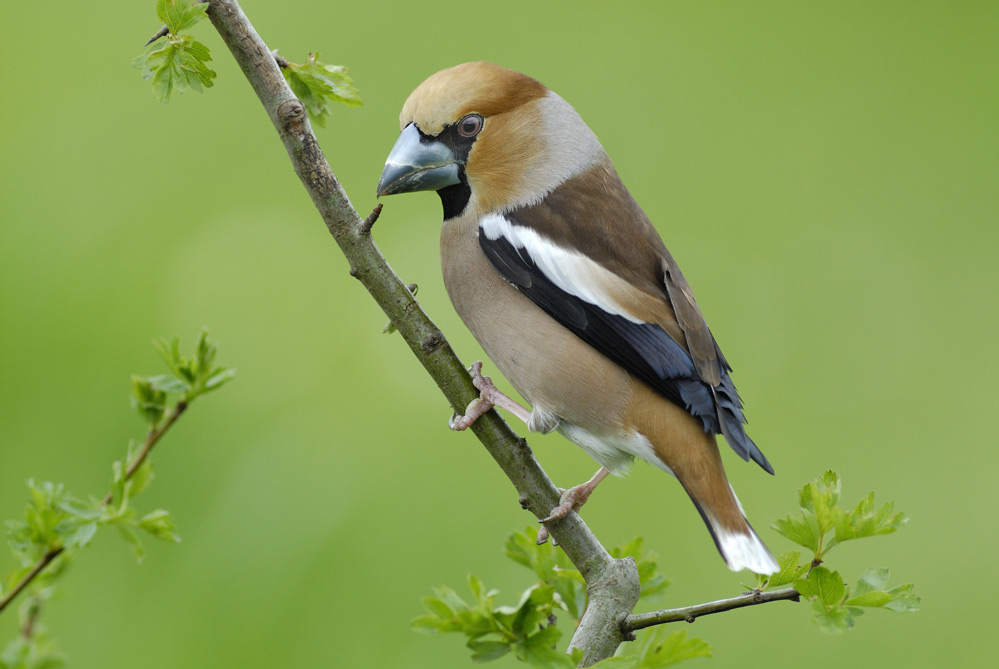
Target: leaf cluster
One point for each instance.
(319, 86)
(822, 525)
(176, 61)
(189, 377)
(529, 629)
(836, 606)
(56, 523)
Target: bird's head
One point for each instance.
(486, 137)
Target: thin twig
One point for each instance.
(151, 439)
(42, 563)
(158, 34)
(691, 613)
(370, 220)
(55, 551)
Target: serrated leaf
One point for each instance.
(803, 531)
(175, 64)
(148, 400)
(664, 649)
(439, 608)
(831, 620)
(487, 651)
(169, 384)
(430, 624)
(140, 478)
(180, 14)
(318, 85)
(550, 565)
(539, 650)
(903, 599)
(451, 597)
(218, 378)
(822, 584)
(652, 581)
(160, 524)
(866, 521)
(81, 536)
(789, 569)
(870, 591)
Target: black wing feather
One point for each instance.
(644, 349)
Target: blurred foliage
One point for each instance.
(56, 523)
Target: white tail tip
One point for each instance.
(745, 551)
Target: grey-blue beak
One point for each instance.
(417, 165)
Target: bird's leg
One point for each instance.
(571, 500)
(489, 396)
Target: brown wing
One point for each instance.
(588, 256)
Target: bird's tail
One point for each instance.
(738, 542)
(682, 447)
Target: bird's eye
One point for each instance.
(470, 125)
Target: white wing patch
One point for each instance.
(569, 270)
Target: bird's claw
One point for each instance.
(475, 408)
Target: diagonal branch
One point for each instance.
(691, 613)
(612, 584)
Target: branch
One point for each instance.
(691, 613)
(55, 551)
(612, 585)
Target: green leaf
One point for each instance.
(652, 581)
(439, 608)
(140, 478)
(119, 497)
(824, 585)
(159, 523)
(169, 384)
(803, 531)
(550, 565)
(618, 662)
(148, 400)
(319, 85)
(663, 649)
(218, 378)
(487, 651)
(832, 619)
(80, 536)
(866, 521)
(540, 650)
(175, 64)
(132, 539)
(789, 571)
(827, 593)
(180, 14)
(871, 591)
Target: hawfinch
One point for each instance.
(565, 283)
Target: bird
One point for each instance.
(570, 291)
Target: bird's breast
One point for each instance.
(553, 369)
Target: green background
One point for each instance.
(825, 173)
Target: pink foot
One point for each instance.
(571, 500)
(489, 397)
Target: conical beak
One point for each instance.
(417, 163)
